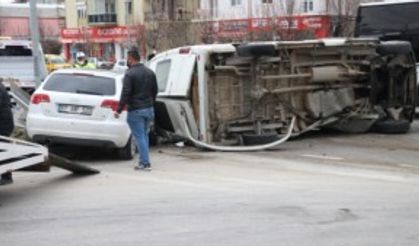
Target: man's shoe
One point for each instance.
(148, 168)
(139, 167)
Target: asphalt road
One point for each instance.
(323, 189)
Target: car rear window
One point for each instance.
(15, 50)
(81, 84)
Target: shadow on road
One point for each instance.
(78, 153)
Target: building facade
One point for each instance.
(314, 18)
(107, 28)
(102, 28)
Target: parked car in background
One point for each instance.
(55, 62)
(17, 63)
(76, 107)
(225, 96)
(101, 63)
(120, 66)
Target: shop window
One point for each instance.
(162, 74)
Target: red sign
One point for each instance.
(98, 35)
(320, 25)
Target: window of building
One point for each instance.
(110, 6)
(266, 1)
(129, 7)
(81, 12)
(308, 5)
(236, 2)
(162, 74)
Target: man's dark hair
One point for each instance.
(134, 54)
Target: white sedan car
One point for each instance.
(76, 107)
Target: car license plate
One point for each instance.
(75, 109)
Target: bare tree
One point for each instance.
(86, 44)
(168, 27)
(50, 44)
(345, 15)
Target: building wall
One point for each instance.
(137, 16)
(177, 9)
(101, 36)
(109, 39)
(14, 20)
(239, 18)
(225, 9)
(71, 14)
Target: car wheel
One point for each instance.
(392, 126)
(254, 139)
(394, 48)
(248, 50)
(128, 152)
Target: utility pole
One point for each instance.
(33, 19)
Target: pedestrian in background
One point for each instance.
(6, 124)
(138, 95)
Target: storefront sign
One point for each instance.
(320, 25)
(98, 35)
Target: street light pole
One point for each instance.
(33, 19)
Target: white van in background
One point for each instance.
(17, 63)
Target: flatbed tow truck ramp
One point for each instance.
(16, 155)
(19, 155)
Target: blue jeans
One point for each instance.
(139, 122)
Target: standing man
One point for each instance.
(6, 124)
(82, 62)
(138, 95)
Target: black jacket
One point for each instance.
(6, 116)
(139, 90)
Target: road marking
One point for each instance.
(331, 158)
